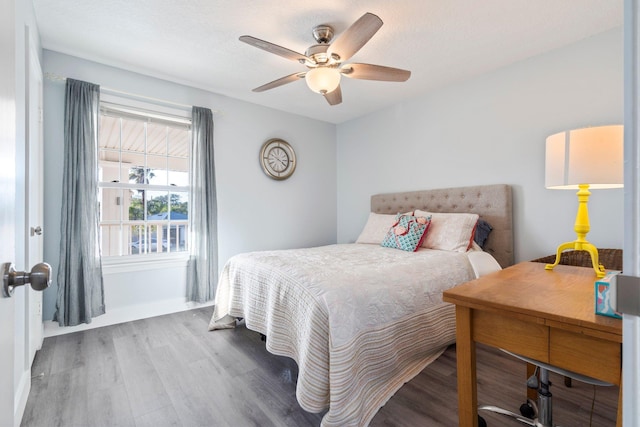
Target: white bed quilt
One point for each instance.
(360, 320)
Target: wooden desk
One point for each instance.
(545, 315)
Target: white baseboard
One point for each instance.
(22, 394)
(125, 314)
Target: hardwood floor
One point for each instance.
(170, 371)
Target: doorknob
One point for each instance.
(39, 278)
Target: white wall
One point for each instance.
(491, 130)
(487, 130)
(254, 211)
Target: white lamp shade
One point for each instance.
(322, 79)
(591, 156)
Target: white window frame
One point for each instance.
(126, 263)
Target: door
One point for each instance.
(20, 318)
(7, 206)
(631, 260)
(33, 233)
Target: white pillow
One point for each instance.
(376, 228)
(449, 231)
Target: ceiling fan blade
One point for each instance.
(375, 72)
(274, 48)
(281, 81)
(356, 36)
(335, 97)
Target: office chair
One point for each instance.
(542, 410)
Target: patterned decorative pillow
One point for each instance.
(450, 231)
(407, 232)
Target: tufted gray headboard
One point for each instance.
(492, 202)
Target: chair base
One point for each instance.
(541, 413)
(518, 417)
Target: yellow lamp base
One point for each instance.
(581, 228)
(580, 246)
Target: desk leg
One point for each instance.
(619, 418)
(466, 362)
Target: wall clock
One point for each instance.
(277, 159)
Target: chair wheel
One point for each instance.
(527, 411)
(481, 422)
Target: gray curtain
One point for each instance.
(202, 271)
(80, 288)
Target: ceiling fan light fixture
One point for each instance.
(327, 60)
(322, 79)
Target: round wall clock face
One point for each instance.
(278, 159)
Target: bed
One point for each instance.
(360, 320)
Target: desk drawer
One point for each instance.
(586, 355)
(518, 336)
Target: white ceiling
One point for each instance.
(195, 42)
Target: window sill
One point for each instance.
(126, 264)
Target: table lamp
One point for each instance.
(580, 159)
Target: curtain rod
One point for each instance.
(58, 78)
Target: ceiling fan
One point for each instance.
(325, 60)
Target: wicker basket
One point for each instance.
(610, 258)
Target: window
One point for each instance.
(143, 181)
